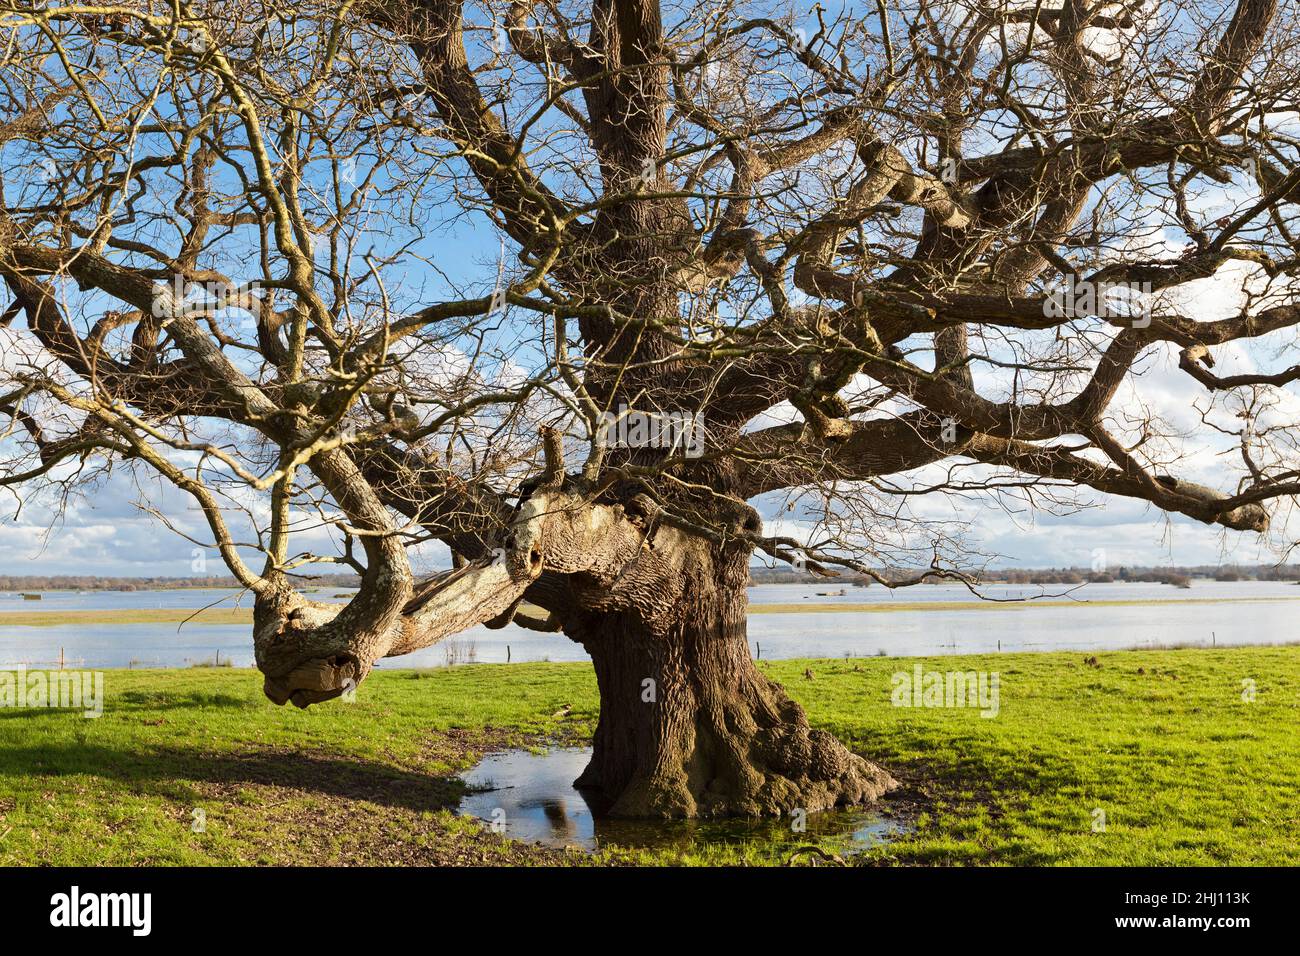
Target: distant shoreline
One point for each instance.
(237, 615)
(993, 605)
(759, 576)
(17, 593)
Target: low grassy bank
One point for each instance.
(139, 615)
(1184, 769)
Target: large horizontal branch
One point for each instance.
(309, 652)
(151, 297)
(465, 515)
(789, 456)
(1164, 491)
(1197, 361)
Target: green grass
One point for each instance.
(1186, 771)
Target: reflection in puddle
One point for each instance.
(533, 795)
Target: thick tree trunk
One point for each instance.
(689, 726)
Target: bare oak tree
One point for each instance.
(839, 262)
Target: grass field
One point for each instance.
(1184, 768)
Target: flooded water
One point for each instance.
(1222, 613)
(531, 797)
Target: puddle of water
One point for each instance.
(533, 796)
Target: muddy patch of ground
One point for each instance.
(292, 806)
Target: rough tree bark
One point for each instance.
(689, 726)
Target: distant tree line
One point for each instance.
(85, 582)
(1178, 576)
